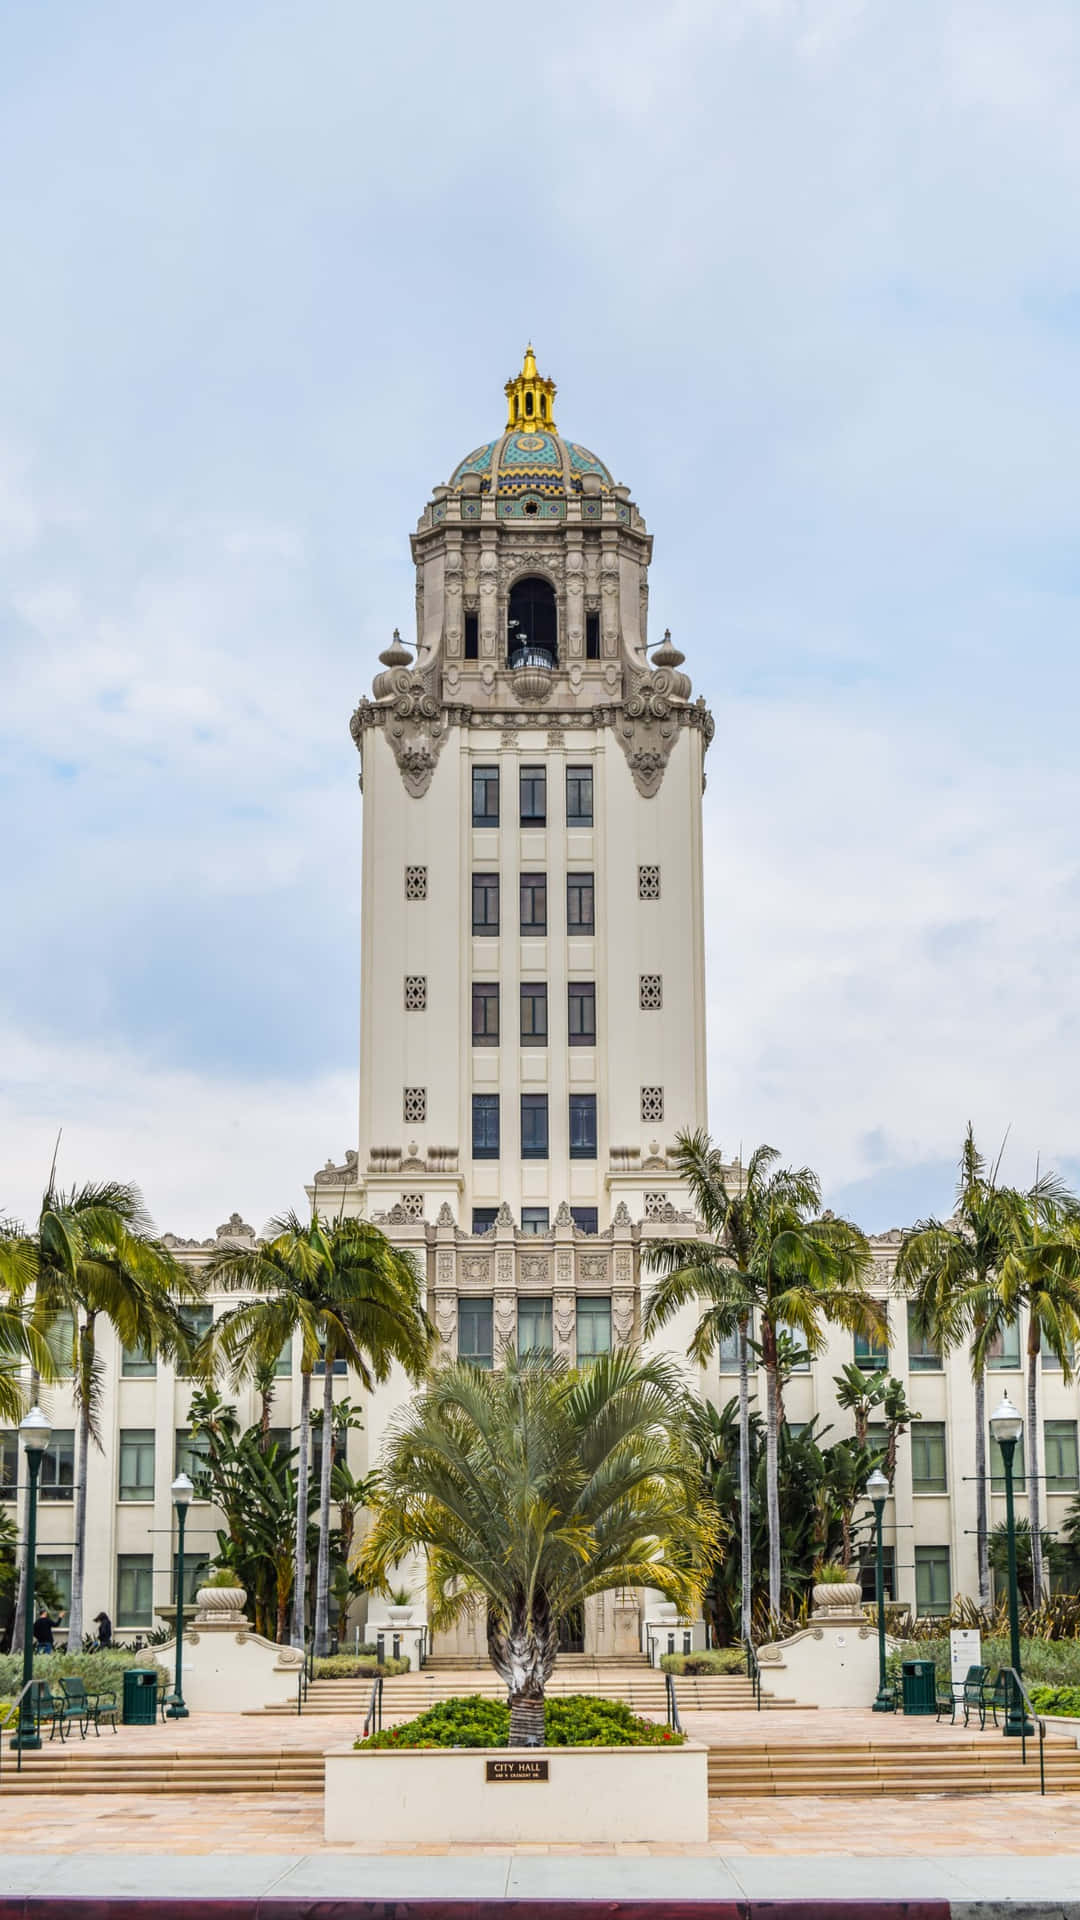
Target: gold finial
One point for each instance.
(530, 400)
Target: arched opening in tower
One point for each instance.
(532, 622)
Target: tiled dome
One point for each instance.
(536, 462)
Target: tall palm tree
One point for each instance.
(951, 1270)
(94, 1256)
(773, 1256)
(534, 1486)
(344, 1293)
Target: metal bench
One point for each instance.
(93, 1707)
(970, 1693)
(58, 1712)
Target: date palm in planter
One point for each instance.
(531, 1488)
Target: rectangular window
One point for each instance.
(485, 1126)
(799, 1353)
(192, 1453)
(472, 636)
(583, 1126)
(593, 1326)
(476, 1333)
(534, 1326)
(592, 636)
(581, 1013)
(1049, 1358)
(283, 1363)
(56, 1479)
(534, 903)
(136, 1463)
(485, 903)
(196, 1569)
(534, 1126)
(580, 903)
(198, 1322)
(1059, 1448)
(135, 1364)
(928, 1470)
(727, 1352)
(877, 1437)
(933, 1587)
(532, 790)
(485, 1013)
(485, 796)
(134, 1590)
(483, 1219)
(534, 1022)
(579, 797)
(868, 1575)
(9, 1465)
(60, 1340)
(587, 1218)
(1003, 1352)
(872, 1351)
(339, 1366)
(923, 1355)
(58, 1568)
(535, 1219)
(997, 1466)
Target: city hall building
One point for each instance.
(532, 1028)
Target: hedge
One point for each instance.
(475, 1720)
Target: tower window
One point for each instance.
(592, 636)
(532, 786)
(415, 992)
(650, 992)
(485, 1013)
(485, 796)
(534, 1020)
(485, 1126)
(586, 1219)
(414, 1105)
(532, 621)
(652, 1103)
(475, 1333)
(581, 1013)
(534, 1219)
(528, 403)
(648, 883)
(534, 903)
(485, 903)
(583, 1126)
(534, 1126)
(483, 1219)
(579, 797)
(472, 636)
(579, 903)
(416, 883)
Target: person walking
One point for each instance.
(43, 1631)
(104, 1631)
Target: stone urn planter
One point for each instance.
(667, 1610)
(220, 1606)
(841, 1596)
(400, 1616)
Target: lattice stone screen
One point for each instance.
(415, 992)
(650, 991)
(414, 1104)
(652, 1103)
(416, 883)
(648, 883)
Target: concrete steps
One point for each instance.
(213, 1770)
(986, 1764)
(641, 1687)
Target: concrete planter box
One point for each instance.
(440, 1795)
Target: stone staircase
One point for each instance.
(92, 1768)
(985, 1763)
(406, 1695)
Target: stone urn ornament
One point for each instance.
(400, 1610)
(836, 1591)
(221, 1602)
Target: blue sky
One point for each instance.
(806, 276)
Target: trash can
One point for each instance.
(140, 1696)
(919, 1686)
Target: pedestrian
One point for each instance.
(104, 1631)
(43, 1631)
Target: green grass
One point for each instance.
(473, 1720)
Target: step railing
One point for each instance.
(373, 1717)
(753, 1672)
(672, 1704)
(1013, 1681)
(14, 1722)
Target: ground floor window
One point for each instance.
(593, 1326)
(134, 1590)
(58, 1568)
(476, 1333)
(933, 1587)
(534, 1326)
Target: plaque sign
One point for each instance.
(523, 1770)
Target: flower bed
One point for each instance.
(352, 1666)
(474, 1720)
(711, 1660)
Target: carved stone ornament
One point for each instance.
(446, 1317)
(220, 1607)
(562, 1317)
(505, 1317)
(477, 1268)
(408, 708)
(655, 705)
(593, 1266)
(564, 1217)
(534, 1267)
(622, 1318)
(446, 1215)
(621, 1215)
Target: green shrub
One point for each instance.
(715, 1660)
(222, 1577)
(473, 1720)
(351, 1666)
(100, 1670)
(1051, 1663)
(1063, 1700)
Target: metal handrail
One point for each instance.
(753, 1672)
(16, 1720)
(373, 1718)
(1015, 1681)
(673, 1720)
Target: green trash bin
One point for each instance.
(140, 1696)
(919, 1686)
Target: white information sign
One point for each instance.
(965, 1650)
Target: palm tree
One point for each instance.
(345, 1293)
(94, 1256)
(769, 1255)
(951, 1270)
(534, 1486)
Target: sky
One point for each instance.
(806, 273)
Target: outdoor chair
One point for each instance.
(58, 1712)
(94, 1707)
(166, 1695)
(1000, 1695)
(968, 1693)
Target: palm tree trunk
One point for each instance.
(524, 1657)
(745, 1540)
(322, 1572)
(1034, 1504)
(772, 1485)
(300, 1572)
(82, 1453)
(982, 1537)
(18, 1621)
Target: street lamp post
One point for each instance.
(1006, 1427)
(877, 1488)
(181, 1490)
(36, 1434)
